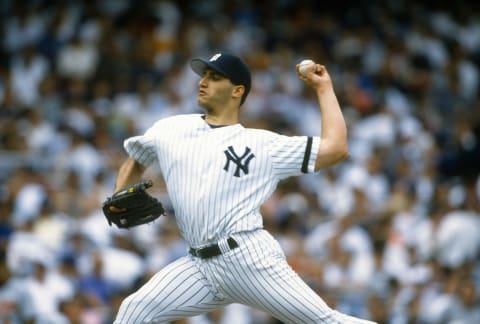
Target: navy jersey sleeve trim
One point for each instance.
(306, 157)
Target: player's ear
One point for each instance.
(238, 91)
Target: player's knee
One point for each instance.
(132, 311)
(139, 308)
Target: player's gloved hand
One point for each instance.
(132, 206)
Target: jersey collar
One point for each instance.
(213, 126)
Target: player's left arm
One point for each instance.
(130, 172)
(334, 139)
(141, 154)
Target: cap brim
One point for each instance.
(199, 66)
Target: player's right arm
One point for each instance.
(334, 140)
(130, 172)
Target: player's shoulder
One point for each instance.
(269, 137)
(260, 133)
(183, 118)
(177, 120)
(260, 137)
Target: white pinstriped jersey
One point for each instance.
(218, 177)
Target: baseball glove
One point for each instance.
(133, 206)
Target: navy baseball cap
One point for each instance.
(230, 66)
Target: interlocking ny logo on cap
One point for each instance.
(215, 57)
(240, 161)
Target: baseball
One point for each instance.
(304, 66)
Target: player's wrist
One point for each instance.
(323, 88)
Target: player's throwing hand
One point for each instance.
(315, 76)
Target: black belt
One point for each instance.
(212, 250)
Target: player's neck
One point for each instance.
(221, 118)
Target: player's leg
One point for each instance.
(262, 279)
(286, 296)
(177, 291)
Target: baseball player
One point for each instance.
(218, 174)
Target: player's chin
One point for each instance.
(202, 102)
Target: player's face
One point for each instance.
(214, 90)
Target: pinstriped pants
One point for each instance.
(255, 274)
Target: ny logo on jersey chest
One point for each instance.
(241, 162)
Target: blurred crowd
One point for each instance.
(392, 234)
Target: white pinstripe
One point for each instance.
(212, 202)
